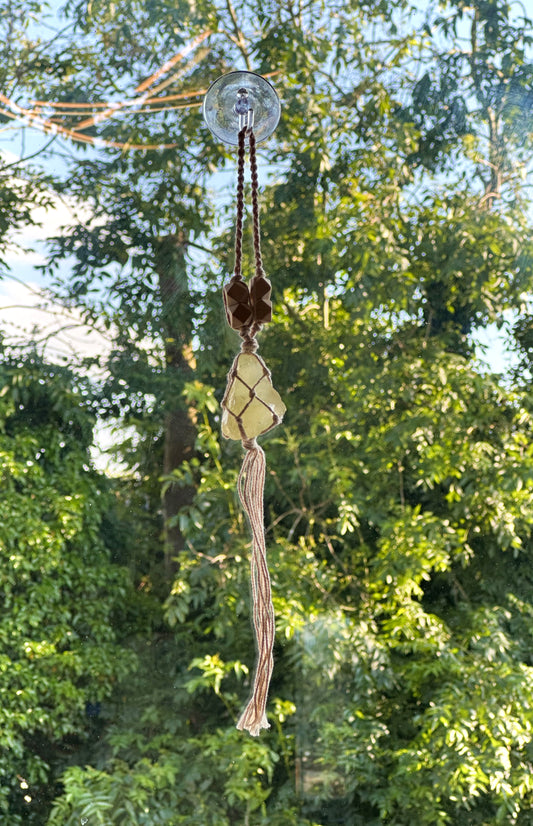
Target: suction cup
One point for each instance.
(238, 100)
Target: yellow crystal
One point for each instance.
(250, 405)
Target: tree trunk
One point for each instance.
(180, 430)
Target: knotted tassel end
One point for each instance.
(251, 722)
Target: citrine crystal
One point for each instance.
(250, 405)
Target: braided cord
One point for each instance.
(239, 218)
(259, 269)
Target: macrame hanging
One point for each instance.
(243, 105)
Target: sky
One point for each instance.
(26, 313)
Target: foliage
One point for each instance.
(399, 497)
(406, 512)
(60, 592)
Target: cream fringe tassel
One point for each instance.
(251, 492)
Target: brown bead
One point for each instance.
(237, 304)
(260, 292)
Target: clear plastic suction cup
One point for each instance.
(241, 99)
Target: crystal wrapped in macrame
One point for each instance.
(251, 407)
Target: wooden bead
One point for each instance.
(260, 292)
(237, 304)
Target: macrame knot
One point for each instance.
(249, 342)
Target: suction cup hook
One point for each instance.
(238, 100)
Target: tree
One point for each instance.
(61, 593)
(148, 210)
(399, 497)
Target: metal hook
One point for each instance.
(244, 110)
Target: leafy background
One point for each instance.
(399, 500)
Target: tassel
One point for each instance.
(251, 490)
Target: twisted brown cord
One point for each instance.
(239, 218)
(248, 333)
(259, 269)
